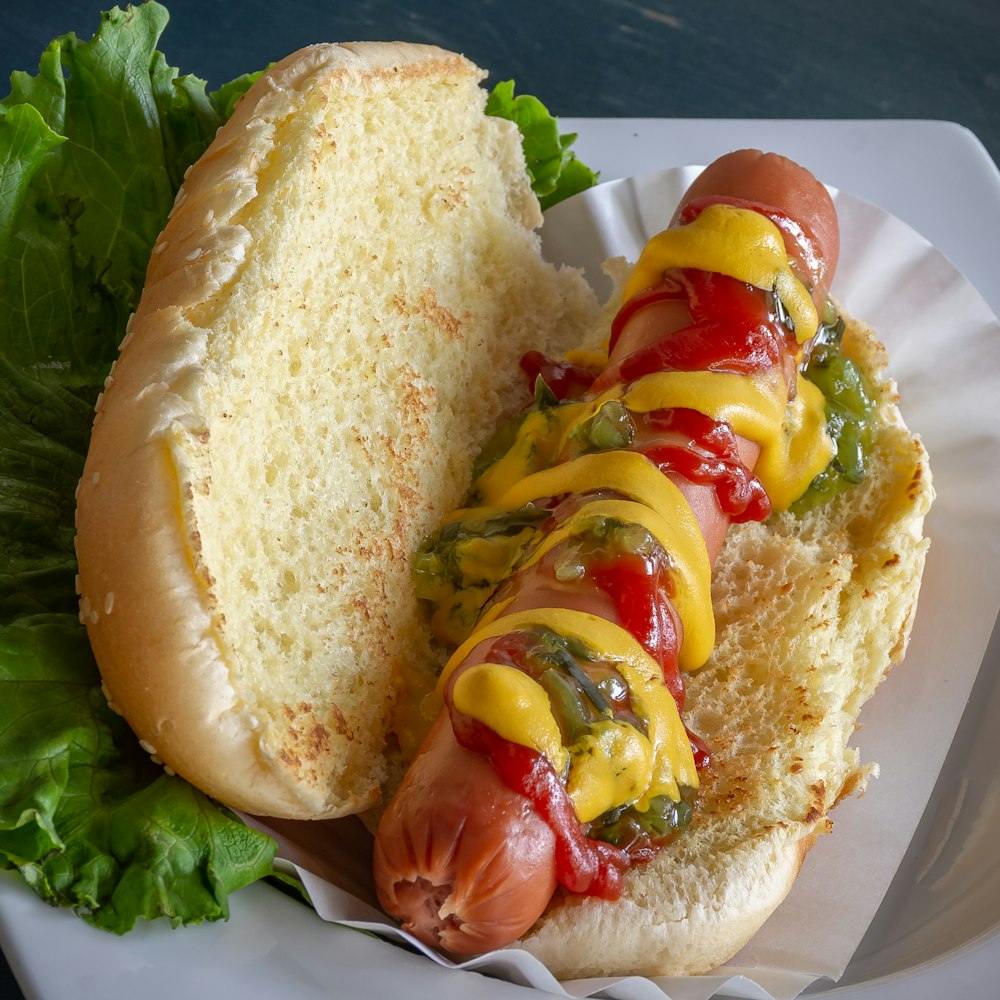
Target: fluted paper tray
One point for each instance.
(944, 346)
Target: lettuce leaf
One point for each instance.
(90, 822)
(555, 171)
(92, 150)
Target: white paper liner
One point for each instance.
(944, 345)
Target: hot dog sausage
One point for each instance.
(461, 879)
(462, 857)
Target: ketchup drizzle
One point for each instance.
(641, 592)
(585, 866)
(732, 329)
(565, 379)
(709, 456)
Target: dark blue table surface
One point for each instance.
(616, 58)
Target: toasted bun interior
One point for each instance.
(312, 367)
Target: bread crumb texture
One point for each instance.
(812, 612)
(329, 333)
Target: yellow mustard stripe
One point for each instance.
(738, 242)
(613, 764)
(537, 446)
(800, 452)
(513, 705)
(753, 404)
(795, 445)
(587, 357)
(673, 761)
(626, 472)
(493, 611)
(691, 575)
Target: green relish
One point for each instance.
(850, 416)
(505, 437)
(583, 689)
(458, 568)
(628, 828)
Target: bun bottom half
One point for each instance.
(812, 611)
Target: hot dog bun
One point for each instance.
(330, 327)
(812, 611)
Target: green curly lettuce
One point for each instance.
(92, 150)
(553, 167)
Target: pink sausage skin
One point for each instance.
(465, 863)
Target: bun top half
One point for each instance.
(315, 359)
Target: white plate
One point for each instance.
(928, 936)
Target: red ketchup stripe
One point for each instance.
(641, 590)
(711, 457)
(740, 493)
(566, 380)
(732, 329)
(668, 290)
(584, 866)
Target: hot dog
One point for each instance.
(306, 381)
(425, 865)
